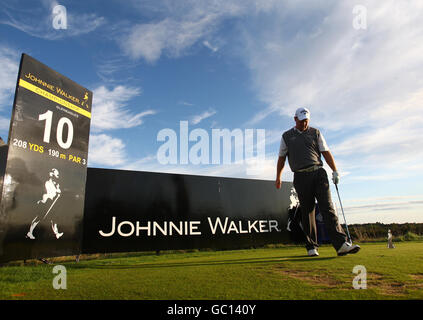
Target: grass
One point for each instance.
(273, 273)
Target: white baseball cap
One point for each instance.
(302, 114)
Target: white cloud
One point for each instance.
(387, 147)
(185, 103)
(110, 109)
(206, 114)
(245, 168)
(362, 86)
(147, 41)
(106, 150)
(4, 125)
(113, 69)
(210, 46)
(340, 72)
(9, 61)
(38, 21)
(148, 163)
(399, 209)
(186, 23)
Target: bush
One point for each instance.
(410, 236)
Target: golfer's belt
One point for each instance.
(310, 169)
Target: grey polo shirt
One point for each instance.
(303, 148)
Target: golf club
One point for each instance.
(58, 196)
(342, 209)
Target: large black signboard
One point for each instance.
(136, 211)
(44, 182)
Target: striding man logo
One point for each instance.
(85, 100)
(46, 204)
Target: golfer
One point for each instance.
(304, 145)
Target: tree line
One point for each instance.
(404, 231)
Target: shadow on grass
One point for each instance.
(248, 261)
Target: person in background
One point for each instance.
(390, 244)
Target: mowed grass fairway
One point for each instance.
(268, 273)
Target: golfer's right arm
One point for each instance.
(279, 169)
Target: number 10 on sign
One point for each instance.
(48, 118)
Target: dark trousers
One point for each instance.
(312, 186)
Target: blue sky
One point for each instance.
(242, 65)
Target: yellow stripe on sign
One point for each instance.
(53, 98)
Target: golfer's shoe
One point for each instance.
(56, 231)
(312, 253)
(30, 236)
(348, 248)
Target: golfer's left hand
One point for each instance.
(335, 177)
(278, 184)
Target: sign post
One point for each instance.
(43, 191)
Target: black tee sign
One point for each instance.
(44, 182)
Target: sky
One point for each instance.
(159, 67)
